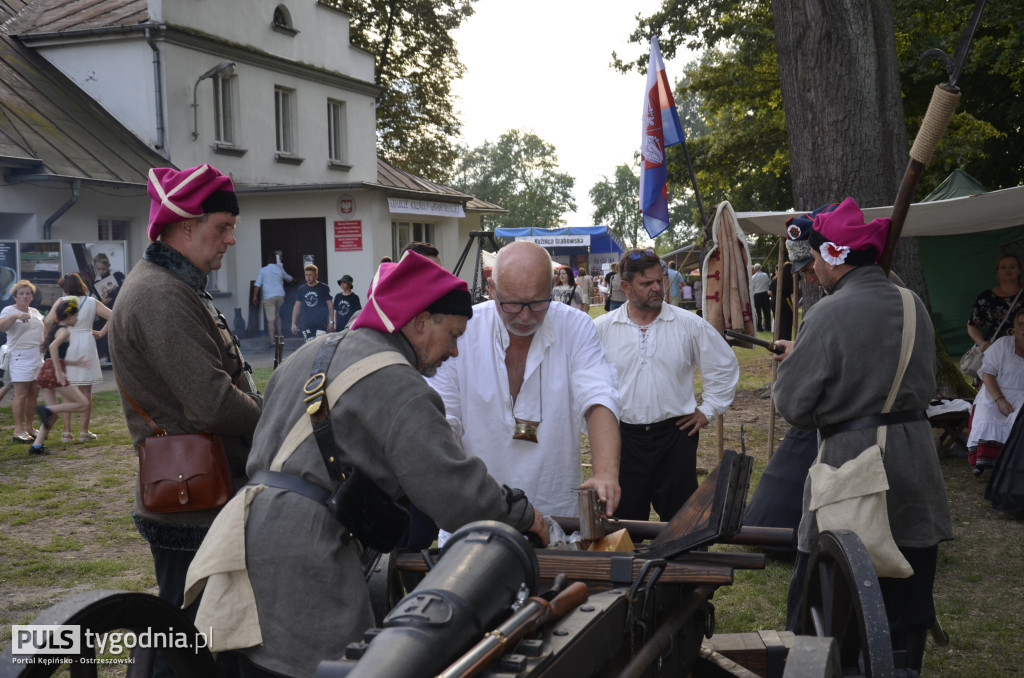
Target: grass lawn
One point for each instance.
(65, 528)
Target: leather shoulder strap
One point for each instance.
(303, 428)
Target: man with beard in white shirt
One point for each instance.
(655, 347)
(531, 376)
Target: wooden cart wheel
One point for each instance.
(842, 600)
(103, 612)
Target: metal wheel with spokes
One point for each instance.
(103, 612)
(842, 600)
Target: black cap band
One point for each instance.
(221, 201)
(456, 302)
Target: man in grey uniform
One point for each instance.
(836, 378)
(306, 578)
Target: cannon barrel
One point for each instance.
(471, 588)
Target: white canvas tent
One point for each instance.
(960, 240)
(971, 214)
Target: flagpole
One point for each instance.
(693, 180)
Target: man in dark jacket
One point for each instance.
(165, 321)
(283, 559)
(837, 377)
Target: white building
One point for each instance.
(271, 93)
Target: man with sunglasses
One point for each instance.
(529, 378)
(655, 348)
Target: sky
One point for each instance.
(544, 66)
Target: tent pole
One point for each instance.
(775, 365)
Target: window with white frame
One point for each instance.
(405, 232)
(224, 109)
(284, 117)
(336, 131)
(112, 229)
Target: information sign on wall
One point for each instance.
(348, 236)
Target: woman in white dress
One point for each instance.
(1001, 395)
(24, 327)
(82, 345)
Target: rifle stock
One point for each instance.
(535, 613)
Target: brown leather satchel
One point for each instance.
(183, 472)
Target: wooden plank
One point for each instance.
(749, 535)
(749, 649)
(596, 566)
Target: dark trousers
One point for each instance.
(762, 311)
(909, 605)
(658, 466)
(171, 568)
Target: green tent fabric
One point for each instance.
(958, 267)
(957, 185)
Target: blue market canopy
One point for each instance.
(599, 239)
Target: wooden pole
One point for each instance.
(775, 365)
(720, 430)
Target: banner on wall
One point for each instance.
(425, 207)
(8, 270)
(102, 266)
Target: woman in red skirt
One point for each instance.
(52, 379)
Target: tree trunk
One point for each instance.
(844, 121)
(841, 91)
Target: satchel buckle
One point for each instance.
(314, 390)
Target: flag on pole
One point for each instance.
(660, 129)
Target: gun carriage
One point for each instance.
(488, 604)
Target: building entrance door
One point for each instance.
(298, 241)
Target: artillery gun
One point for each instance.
(646, 611)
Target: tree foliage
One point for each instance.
(416, 60)
(616, 205)
(520, 173)
(744, 157)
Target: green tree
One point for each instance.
(416, 61)
(744, 157)
(520, 173)
(617, 205)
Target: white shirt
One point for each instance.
(760, 283)
(23, 335)
(656, 367)
(271, 279)
(565, 357)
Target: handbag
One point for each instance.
(970, 362)
(852, 496)
(182, 472)
(5, 358)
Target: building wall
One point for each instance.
(254, 89)
(321, 41)
(117, 70)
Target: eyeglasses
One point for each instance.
(516, 307)
(639, 253)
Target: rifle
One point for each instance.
(533, 614)
(940, 111)
(770, 345)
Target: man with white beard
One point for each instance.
(531, 376)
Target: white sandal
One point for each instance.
(87, 436)
(68, 437)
